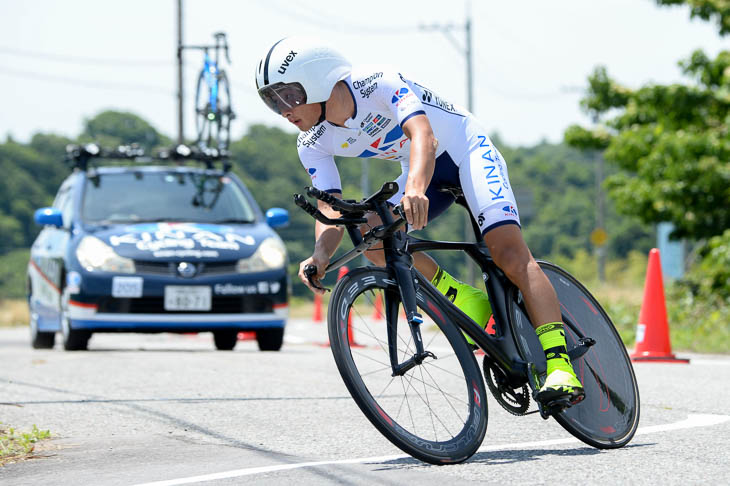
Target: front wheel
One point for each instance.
(73, 339)
(40, 339)
(225, 339)
(436, 411)
(608, 416)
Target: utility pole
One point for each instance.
(600, 220)
(468, 55)
(180, 97)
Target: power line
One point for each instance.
(84, 82)
(319, 19)
(47, 56)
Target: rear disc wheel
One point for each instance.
(608, 416)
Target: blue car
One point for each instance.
(157, 249)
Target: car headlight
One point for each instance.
(271, 254)
(94, 255)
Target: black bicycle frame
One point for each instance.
(398, 248)
(500, 347)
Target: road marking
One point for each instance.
(693, 420)
(709, 362)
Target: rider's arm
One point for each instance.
(396, 94)
(421, 167)
(327, 238)
(323, 171)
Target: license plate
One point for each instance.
(187, 298)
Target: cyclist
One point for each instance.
(374, 111)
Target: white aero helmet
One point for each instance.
(299, 70)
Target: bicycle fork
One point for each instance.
(401, 264)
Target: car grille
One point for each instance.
(169, 269)
(155, 305)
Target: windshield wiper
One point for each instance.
(233, 221)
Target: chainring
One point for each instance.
(515, 400)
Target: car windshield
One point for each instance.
(142, 196)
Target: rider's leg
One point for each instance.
(510, 253)
(471, 301)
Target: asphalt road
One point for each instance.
(169, 409)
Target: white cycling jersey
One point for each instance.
(384, 100)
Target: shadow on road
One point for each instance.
(510, 456)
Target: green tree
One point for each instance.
(670, 142)
(707, 10)
(110, 128)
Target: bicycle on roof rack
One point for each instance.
(208, 184)
(412, 372)
(213, 109)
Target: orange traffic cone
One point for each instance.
(378, 310)
(246, 336)
(317, 317)
(652, 332)
(350, 336)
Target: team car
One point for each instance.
(156, 248)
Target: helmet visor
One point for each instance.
(283, 96)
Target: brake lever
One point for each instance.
(310, 271)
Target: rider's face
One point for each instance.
(303, 116)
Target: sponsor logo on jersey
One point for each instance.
(312, 172)
(509, 211)
(289, 58)
(387, 147)
(366, 92)
(432, 99)
(492, 170)
(399, 95)
(364, 82)
(311, 136)
(373, 124)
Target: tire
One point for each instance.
(73, 339)
(270, 339)
(436, 411)
(608, 416)
(39, 339)
(213, 125)
(225, 339)
(202, 109)
(224, 113)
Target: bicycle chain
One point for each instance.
(509, 398)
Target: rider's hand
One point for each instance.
(415, 205)
(321, 263)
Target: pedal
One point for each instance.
(554, 407)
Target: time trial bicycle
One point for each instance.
(414, 375)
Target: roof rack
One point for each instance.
(79, 156)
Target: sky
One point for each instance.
(64, 61)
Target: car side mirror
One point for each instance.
(277, 218)
(48, 216)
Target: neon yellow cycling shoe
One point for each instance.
(471, 301)
(561, 385)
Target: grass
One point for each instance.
(15, 446)
(13, 312)
(693, 325)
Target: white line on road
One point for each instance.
(699, 420)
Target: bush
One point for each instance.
(12, 274)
